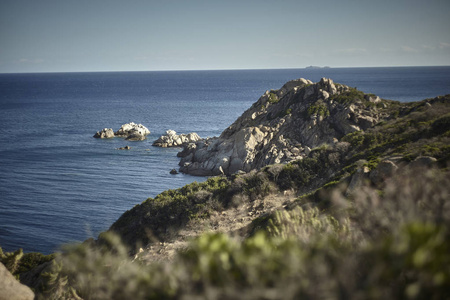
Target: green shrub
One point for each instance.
(273, 98)
(257, 184)
(441, 125)
(318, 109)
(349, 97)
(171, 210)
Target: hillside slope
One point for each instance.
(283, 125)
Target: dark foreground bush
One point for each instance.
(392, 244)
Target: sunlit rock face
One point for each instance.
(282, 126)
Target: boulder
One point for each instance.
(133, 131)
(173, 172)
(423, 162)
(135, 136)
(124, 148)
(130, 131)
(105, 133)
(385, 169)
(358, 177)
(11, 288)
(171, 139)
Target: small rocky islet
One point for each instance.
(138, 132)
(130, 131)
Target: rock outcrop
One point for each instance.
(11, 288)
(105, 133)
(124, 148)
(133, 132)
(283, 125)
(172, 139)
(130, 131)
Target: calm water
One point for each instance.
(59, 184)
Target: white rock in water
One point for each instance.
(171, 133)
(105, 133)
(171, 139)
(132, 129)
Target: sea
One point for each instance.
(60, 185)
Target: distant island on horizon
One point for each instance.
(318, 67)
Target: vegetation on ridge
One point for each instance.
(391, 245)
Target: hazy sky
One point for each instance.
(110, 35)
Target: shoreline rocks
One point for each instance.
(283, 126)
(124, 148)
(172, 139)
(130, 131)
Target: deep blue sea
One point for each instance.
(58, 184)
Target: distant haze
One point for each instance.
(94, 35)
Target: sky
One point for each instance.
(133, 35)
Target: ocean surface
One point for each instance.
(58, 184)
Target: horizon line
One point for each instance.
(313, 67)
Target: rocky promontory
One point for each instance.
(172, 139)
(283, 126)
(130, 131)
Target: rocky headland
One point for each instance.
(283, 126)
(130, 131)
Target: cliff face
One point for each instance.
(283, 125)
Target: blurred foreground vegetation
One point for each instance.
(392, 243)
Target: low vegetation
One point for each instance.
(422, 128)
(391, 245)
(19, 263)
(273, 98)
(318, 109)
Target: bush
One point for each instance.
(257, 184)
(273, 98)
(441, 125)
(318, 109)
(349, 97)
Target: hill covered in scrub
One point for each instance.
(283, 125)
(325, 192)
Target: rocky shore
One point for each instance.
(172, 139)
(283, 126)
